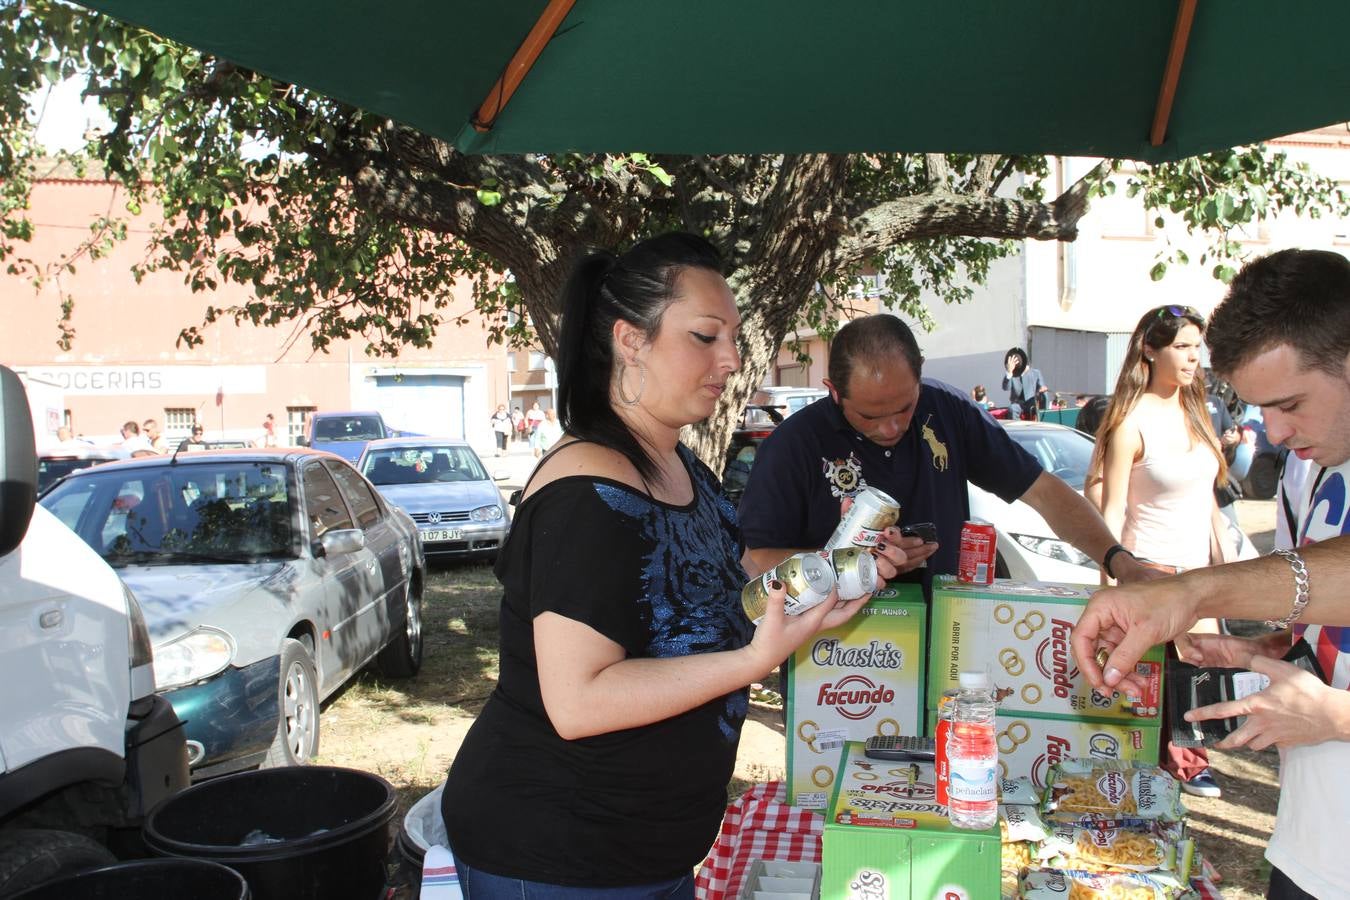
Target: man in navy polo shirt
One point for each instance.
(916, 439)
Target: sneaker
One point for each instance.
(1202, 785)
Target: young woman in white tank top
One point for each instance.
(1156, 464)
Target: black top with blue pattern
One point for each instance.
(629, 807)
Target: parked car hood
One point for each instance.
(233, 597)
(419, 498)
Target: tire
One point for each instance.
(297, 739)
(402, 657)
(1262, 478)
(30, 856)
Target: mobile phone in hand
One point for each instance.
(925, 530)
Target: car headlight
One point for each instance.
(486, 513)
(196, 655)
(1055, 549)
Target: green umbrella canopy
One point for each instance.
(1069, 77)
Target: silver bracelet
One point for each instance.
(1301, 596)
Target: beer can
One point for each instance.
(871, 513)
(808, 579)
(979, 548)
(855, 571)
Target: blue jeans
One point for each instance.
(479, 885)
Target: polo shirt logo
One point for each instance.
(936, 449)
(844, 475)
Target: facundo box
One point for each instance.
(863, 678)
(1019, 632)
(886, 838)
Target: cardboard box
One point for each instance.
(1019, 632)
(1029, 745)
(851, 682)
(887, 839)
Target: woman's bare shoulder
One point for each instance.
(573, 458)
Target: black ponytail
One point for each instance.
(636, 287)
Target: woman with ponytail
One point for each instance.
(1155, 466)
(599, 765)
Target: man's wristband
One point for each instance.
(1110, 555)
(1301, 594)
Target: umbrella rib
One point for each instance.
(1181, 33)
(521, 63)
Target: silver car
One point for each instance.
(267, 578)
(443, 485)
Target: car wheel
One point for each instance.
(1262, 477)
(30, 856)
(297, 740)
(402, 658)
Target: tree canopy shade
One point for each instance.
(1060, 77)
(354, 223)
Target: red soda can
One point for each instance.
(979, 547)
(941, 734)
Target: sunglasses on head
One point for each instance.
(1179, 312)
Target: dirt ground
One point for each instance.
(408, 732)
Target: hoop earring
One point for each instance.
(642, 384)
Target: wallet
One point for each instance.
(1189, 687)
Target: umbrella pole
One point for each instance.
(521, 63)
(1181, 33)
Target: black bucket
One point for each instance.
(410, 857)
(324, 831)
(195, 878)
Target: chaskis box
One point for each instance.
(846, 684)
(886, 838)
(1019, 632)
(1029, 745)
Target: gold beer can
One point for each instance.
(855, 571)
(872, 512)
(807, 576)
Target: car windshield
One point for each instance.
(1060, 451)
(348, 428)
(427, 464)
(225, 511)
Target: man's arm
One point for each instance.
(1072, 518)
(1132, 618)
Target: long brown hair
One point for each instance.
(1157, 329)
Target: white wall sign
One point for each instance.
(142, 380)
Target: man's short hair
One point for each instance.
(132, 428)
(197, 429)
(1295, 297)
(871, 340)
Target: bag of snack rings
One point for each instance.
(1072, 884)
(1111, 789)
(1018, 792)
(1108, 849)
(1021, 823)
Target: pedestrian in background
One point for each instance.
(193, 442)
(518, 419)
(1156, 464)
(150, 428)
(269, 435)
(502, 426)
(1025, 385)
(548, 432)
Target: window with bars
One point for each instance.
(178, 423)
(297, 417)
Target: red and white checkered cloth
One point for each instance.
(760, 825)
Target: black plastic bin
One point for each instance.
(145, 878)
(327, 830)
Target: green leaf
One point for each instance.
(489, 198)
(661, 175)
(1158, 271)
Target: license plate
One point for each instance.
(431, 535)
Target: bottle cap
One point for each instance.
(976, 681)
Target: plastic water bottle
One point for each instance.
(973, 755)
